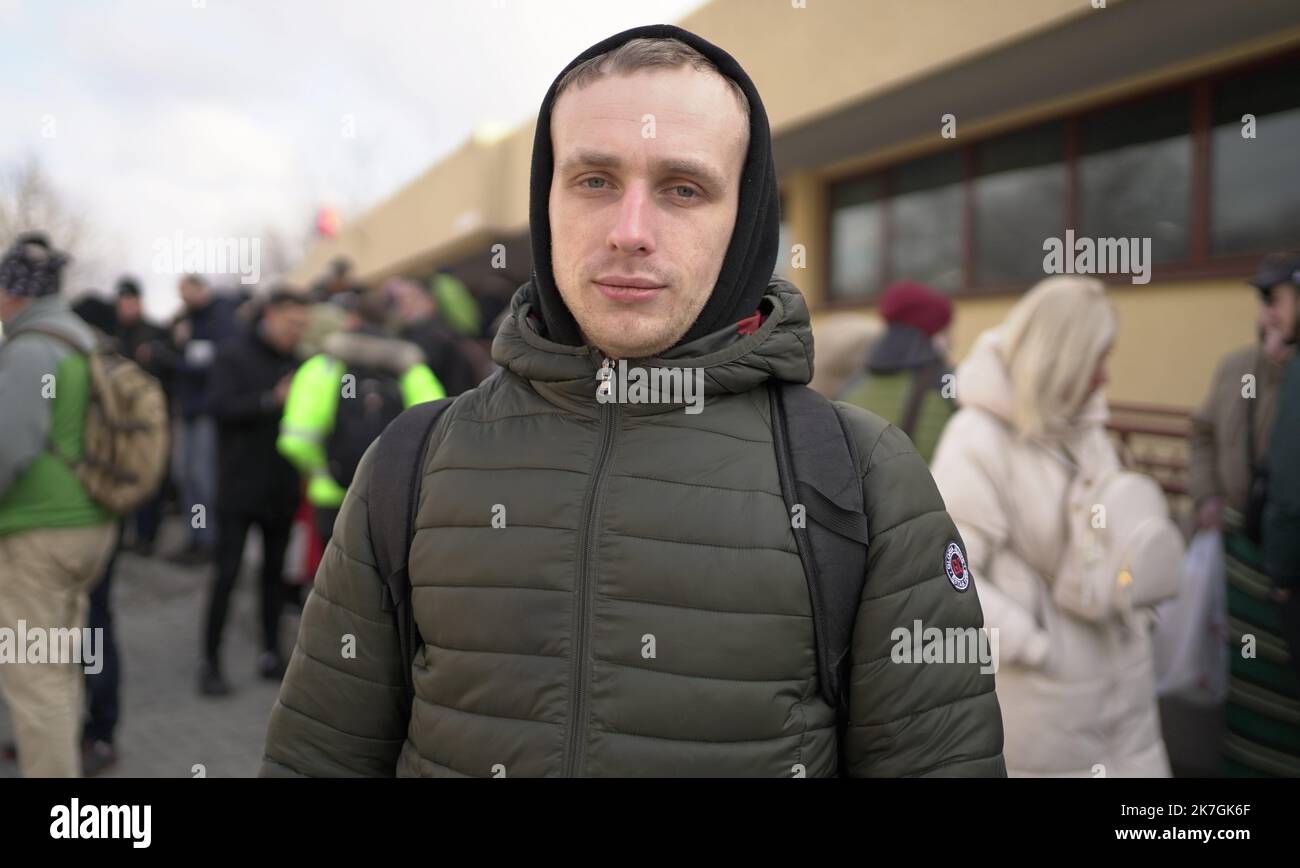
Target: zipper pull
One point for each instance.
(605, 376)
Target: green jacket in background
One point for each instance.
(614, 589)
(313, 400)
(888, 395)
(44, 394)
(456, 305)
(1281, 527)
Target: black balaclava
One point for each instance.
(751, 255)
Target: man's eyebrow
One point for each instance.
(584, 159)
(692, 169)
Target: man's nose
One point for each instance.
(633, 233)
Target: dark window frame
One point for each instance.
(1200, 263)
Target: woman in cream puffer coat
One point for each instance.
(1078, 697)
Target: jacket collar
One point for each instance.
(781, 348)
(372, 352)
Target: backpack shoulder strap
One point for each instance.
(821, 471)
(392, 500)
(922, 381)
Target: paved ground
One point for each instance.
(166, 728)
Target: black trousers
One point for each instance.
(104, 687)
(147, 519)
(232, 533)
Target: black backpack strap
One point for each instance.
(820, 470)
(392, 499)
(923, 380)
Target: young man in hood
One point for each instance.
(612, 587)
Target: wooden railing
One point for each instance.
(1152, 439)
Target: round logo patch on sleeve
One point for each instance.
(954, 564)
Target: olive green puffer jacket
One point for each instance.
(643, 611)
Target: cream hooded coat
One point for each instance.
(1078, 698)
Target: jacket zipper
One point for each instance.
(609, 417)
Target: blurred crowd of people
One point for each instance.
(275, 397)
(261, 436)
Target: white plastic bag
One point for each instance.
(1190, 643)
(295, 554)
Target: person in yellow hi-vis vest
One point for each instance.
(342, 399)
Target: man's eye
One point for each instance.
(685, 192)
(599, 183)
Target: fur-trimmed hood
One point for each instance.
(358, 349)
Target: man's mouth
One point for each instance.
(618, 287)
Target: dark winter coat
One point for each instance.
(212, 326)
(443, 355)
(253, 477)
(1282, 508)
(158, 357)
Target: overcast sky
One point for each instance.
(222, 118)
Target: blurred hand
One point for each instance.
(281, 390)
(181, 333)
(143, 354)
(1210, 515)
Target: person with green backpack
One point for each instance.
(55, 538)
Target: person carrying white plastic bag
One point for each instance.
(1191, 654)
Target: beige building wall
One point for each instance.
(1170, 340)
(481, 190)
(808, 62)
(1171, 335)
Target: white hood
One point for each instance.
(984, 382)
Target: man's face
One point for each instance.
(642, 208)
(411, 300)
(128, 309)
(285, 325)
(194, 294)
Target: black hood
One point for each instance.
(751, 255)
(902, 348)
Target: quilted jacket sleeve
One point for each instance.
(910, 718)
(970, 475)
(340, 711)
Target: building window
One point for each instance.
(1135, 174)
(926, 222)
(856, 238)
(1171, 166)
(1020, 189)
(1254, 203)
